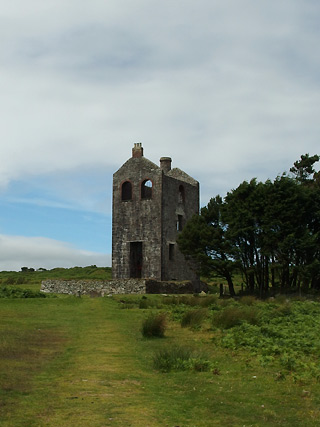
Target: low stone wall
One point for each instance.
(119, 286)
(94, 287)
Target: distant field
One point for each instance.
(32, 279)
(83, 361)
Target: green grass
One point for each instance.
(82, 361)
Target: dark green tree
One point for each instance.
(269, 231)
(203, 240)
(242, 211)
(303, 169)
(285, 224)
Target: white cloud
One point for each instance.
(229, 90)
(39, 252)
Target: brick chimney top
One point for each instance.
(165, 164)
(137, 150)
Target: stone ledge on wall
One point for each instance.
(119, 286)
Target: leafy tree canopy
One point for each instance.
(269, 231)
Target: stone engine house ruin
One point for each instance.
(151, 204)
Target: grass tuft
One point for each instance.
(154, 325)
(180, 358)
(194, 318)
(234, 316)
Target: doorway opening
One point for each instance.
(135, 260)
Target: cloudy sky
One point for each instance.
(228, 89)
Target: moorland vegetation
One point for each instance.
(188, 360)
(197, 360)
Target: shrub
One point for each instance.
(10, 281)
(233, 316)
(21, 280)
(180, 358)
(194, 318)
(154, 325)
(248, 300)
(6, 292)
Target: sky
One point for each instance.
(228, 89)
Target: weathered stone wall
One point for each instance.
(87, 287)
(120, 286)
(177, 206)
(137, 219)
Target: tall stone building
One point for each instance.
(151, 204)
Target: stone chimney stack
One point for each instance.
(165, 164)
(137, 150)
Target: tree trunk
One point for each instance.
(230, 284)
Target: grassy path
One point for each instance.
(83, 362)
(95, 375)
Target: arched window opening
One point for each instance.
(181, 194)
(146, 189)
(126, 191)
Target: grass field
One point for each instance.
(84, 362)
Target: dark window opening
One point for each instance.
(179, 223)
(146, 189)
(126, 191)
(135, 260)
(181, 194)
(171, 251)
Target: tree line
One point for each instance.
(268, 231)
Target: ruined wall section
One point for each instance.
(137, 219)
(180, 202)
(120, 286)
